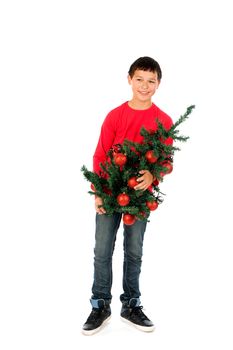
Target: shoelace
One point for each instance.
(138, 312)
(94, 315)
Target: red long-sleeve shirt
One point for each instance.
(123, 123)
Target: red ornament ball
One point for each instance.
(156, 182)
(150, 157)
(107, 191)
(152, 205)
(132, 182)
(123, 199)
(120, 159)
(129, 219)
(169, 167)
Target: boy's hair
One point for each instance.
(145, 63)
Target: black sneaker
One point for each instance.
(136, 317)
(96, 320)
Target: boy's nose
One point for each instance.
(144, 85)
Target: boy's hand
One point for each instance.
(145, 180)
(98, 201)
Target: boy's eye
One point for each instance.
(152, 81)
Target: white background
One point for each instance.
(63, 67)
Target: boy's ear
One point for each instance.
(129, 79)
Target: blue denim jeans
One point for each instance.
(105, 237)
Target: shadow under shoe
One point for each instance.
(135, 316)
(97, 319)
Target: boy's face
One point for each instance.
(143, 84)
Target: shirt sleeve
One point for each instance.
(105, 142)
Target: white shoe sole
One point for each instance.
(96, 330)
(141, 328)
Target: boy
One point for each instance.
(124, 122)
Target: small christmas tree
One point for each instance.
(118, 177)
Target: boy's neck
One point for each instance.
(139, 104)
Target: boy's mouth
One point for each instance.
(144, 93)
